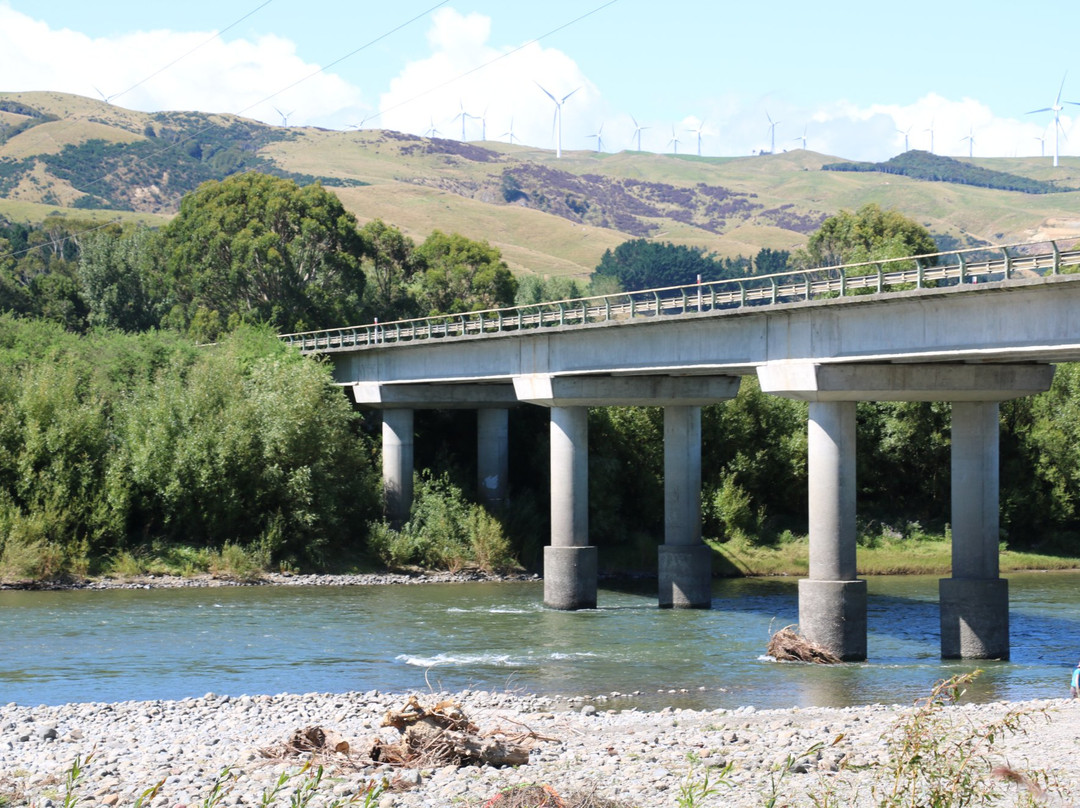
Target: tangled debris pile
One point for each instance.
(788, 646)
(444, 736)
(439, 736)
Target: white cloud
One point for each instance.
(220, 76)
(432, 92)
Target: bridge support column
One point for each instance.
(397, 464)
(569, 563)
(832, 602)
(975, 601)
(685, 564)
(492, 457)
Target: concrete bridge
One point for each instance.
(972, 327)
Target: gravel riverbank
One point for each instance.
(617, 751)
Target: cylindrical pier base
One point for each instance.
(685, 574)
(974, 618)
(570, 577)
(832, 614)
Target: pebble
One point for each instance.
(637, 756)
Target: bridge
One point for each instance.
(970, 327)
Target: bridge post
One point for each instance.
(397, 464)
(975, 601)
(832, 602)
(685, 564)
(570, 564)
(492, 456)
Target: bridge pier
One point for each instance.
(832, 601)
(397, 464)
(684, 563)
(492, 457)
(569, 563)
(975, 601)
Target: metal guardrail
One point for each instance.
(970, 266)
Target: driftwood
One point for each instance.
(443, 736)
(788, 646)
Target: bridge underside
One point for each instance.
(832, 600)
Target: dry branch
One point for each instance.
(788, 646)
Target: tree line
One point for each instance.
(122, 439)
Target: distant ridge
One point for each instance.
(923, 165)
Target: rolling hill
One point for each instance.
(60, 153)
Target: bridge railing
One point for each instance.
(969, 266)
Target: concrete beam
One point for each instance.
(808, 381)
(624, 391)
(433, 396)
(397, 464)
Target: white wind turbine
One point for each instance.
(284, 116)
(931, 131)
(599, 138)
(557, 122)
(483, 125)
(970, 138)
(698, 133)
(431, 130)
(463, 115)
(802, 137)
(510, 131)
(1042, 143)
(905, 133)
(772, 133)
(674, 140)
(1056, 109)
(637, 131)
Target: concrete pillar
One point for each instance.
(685, 564)
(975, 601)
(832, 603)
(492, 456)
(569, 562)
(397, 463)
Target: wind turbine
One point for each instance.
(637, 131)
(1042, 143)
(1056, 109)
(674, 140)
(802, 138)
(557, 122)
(463, 115)
(971, 142)
(106, 98)
(483, 125)
(772, 133)
(431, 130)
(698, 133)
(905, 133)
(510, 132)
(931, 131)
(284, 116)
(599, 138)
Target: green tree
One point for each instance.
(260, 248)
(869, 234)
(390, 265)
(460, 274)
(113, 272)
(643, 264)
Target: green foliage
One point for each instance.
(111, 443)
(533, 289)
(869, 234)
(644, 264)
(114, 272)
(261, 249)
(390, 266)
(923, 165)
(460, 274)
(444, 531)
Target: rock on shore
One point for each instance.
(640, 758)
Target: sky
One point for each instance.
(854, 78)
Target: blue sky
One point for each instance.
(847, 74)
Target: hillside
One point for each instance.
(548, 216)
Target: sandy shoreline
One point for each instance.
(639, 758)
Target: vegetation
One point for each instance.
(869, 234)
(923, 165)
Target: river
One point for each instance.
(117, 645)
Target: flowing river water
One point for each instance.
(116, 645)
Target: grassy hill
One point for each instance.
(549, 216)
